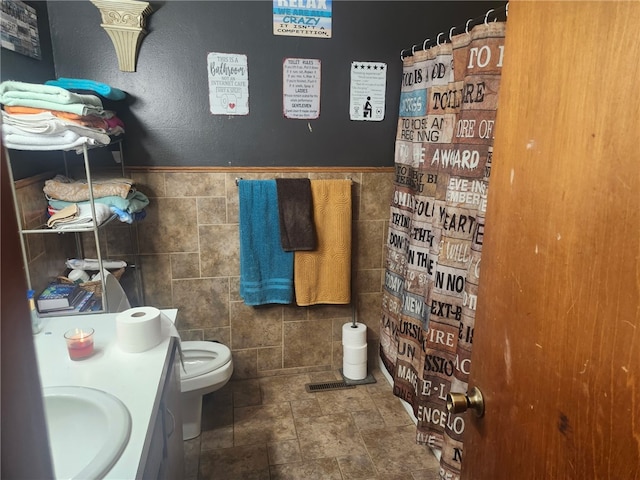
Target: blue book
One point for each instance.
(83, 303)
(58, 296)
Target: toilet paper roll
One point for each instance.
(354, 355)
(354, 337)
(138, 329)
(355, 372)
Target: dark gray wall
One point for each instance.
(22, 68)
(15, 66)
(168, 120)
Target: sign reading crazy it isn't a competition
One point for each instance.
(302, 18)
(228, 83)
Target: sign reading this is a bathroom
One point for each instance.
(228, 83)
(302, 18)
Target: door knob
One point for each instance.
(460, 402)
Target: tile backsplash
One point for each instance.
(190, 260)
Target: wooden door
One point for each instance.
(557, 344)
(23, 432)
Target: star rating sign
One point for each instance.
(367, 96)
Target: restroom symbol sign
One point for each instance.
(367, 91)
(367, 108)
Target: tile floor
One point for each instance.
(271, 428)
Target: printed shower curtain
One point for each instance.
(442, 165)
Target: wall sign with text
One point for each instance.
(228, 83)
(367, 92)
(19, 28)
(301, 88)
(302, 18)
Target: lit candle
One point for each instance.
(79, 343)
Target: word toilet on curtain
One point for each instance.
(443, 154)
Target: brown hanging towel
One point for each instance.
(295, 212)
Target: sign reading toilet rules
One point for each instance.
(301, 88)
(302, 18)
(368, 87)
(228, 84)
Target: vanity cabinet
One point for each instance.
(164, 457)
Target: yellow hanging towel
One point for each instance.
(324, 275)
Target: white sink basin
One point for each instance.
(88, 430)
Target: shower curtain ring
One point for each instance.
(424, 44)
(401, 56)
(486, 17)
(466, 27)
(451, 32)
(413, 50)
(438, 38)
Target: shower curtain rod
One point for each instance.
(494, 14)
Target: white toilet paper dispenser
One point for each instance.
(354, 355)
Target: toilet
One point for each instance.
(208, 368)
(208, 365)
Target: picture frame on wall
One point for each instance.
(19, 29)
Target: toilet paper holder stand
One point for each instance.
(366, 380)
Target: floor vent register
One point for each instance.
(327, 386)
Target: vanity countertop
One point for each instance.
(132, 377)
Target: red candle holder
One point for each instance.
(79, 343)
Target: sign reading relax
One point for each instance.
(302, 18)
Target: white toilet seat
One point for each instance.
(201, 358)
(208, 367)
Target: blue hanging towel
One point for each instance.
(266, 270)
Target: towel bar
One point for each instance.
(240, 178)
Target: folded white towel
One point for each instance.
(18, 142)
(57, 135)
(92, 264)
(15, 135)
(85, 218)
(45, 123)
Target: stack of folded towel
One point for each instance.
(69, 201)
(50, 117)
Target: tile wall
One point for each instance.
(189, 256)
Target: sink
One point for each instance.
(88, 431)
